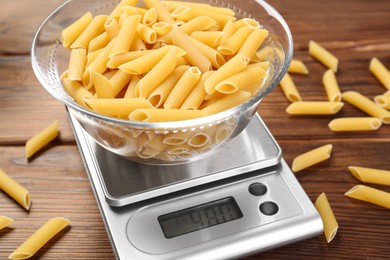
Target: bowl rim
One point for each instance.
(190, 123)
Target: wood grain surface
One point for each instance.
(354, 30)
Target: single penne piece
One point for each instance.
(199, 23)
(331, 86)
(161, 28)
(182, 88)
(355, 124)
(253, 43)
(199, 139)
(116, 106)
(77, 62)
(146, 33)
(216, 58)
(46, 232)
(177, 138)
(383, 101)
(239, 81)
(94, 28)
(102, 86)
(161, 93)
(262, 64)
(150, 17)
(110, 73)
(210, 38)
(366, 105)
(130, 91)
(328, 219)
(380, 72)
(233, 66)
(118, 81)
(162, 13)
(122, 18)
(187, 13)
(178, 149)
(98, 42)
(5, 221)
(164, 115)
(297, 66)
(38, 141)
(118, 8)
(289, 89)
(311, 158)
(371, 195)
(91, 56)
(112, 27)
(234, 43)
(246, 22)
(314, 108)
(370, 175)
(138, 44)
(323, 55)
(194, 55)
(216, 95)
(125, 35)
(76, 91)
(73, 31)
(119, 59)
(16, 191)
(227, 102)
(228, 30)
(156, 75)
(196, 97)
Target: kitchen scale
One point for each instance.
(241, 200)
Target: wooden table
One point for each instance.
(354, 30)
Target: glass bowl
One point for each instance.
(160, 142)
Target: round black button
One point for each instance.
(257, 189)
(269, 208)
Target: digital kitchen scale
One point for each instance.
(241, 200)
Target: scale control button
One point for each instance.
(269, 208)
(257, 189)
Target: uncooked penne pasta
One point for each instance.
(182, 88)
(210, 38)
(253, 43)
(150, 17)
(94, 28)
(102, 86)
(162, 13)
(73, 31)
(76, 91)
(118, 8)
(46, 232)
(380, 72)
(119, 59)
(164, 115)
(383, 101)
(246, 22)
(370, 175)
(289, 89)
(5, 221)
(228, 30)
(366, 105)
(200, 23)
(177, 138)
(38, 141)
(227, 102)
(117, 106)
(323, 55)
(130, 91)
(118, 81)
(126, 35)
(98, 42)
(311, 157)
(239, 81)
(112, 27)
(216, 58)
(234, 43)
(77, 62)
(197, 95)
(297, 66)
(161, 28)
(16, 191)
(314, 108)
(328, 219)
(146, 33)
(355, 124)
(199, 139)
(91, 56)
(371, 195)
(331, 87)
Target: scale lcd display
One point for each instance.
(199, 217)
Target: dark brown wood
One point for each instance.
(354, 30)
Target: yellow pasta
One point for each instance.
(126, 35)
(194, 56)
(355, 124)
(199, 23)
(331, 87)
(234, 43)
(91, 56)
(77, 61)
(328, 219)
(370, 175)
(102, 85)
(199, 140)
(211, 38)
(99, 42)
(289, 89)
(150, 17)
(323, 55)
(383, 101)
(239, 81)
(46, 232)
(314, 108)
(15, 190)
(297, 66)
(312, 157)
(119, 59)
(94, 28)
(161, 28)
(112, 27)
(131, 10)
(366, 105)
(246, 22)
(130, 91)
(195, 98)
(76, 91)
(178, 149)
(162, 13)
(73, 31)
(117, 106)
(223, 133)
(5, 221)
(221, 10)
(177, 138)
(380, 72)
(182, 88)
(233, 66)
(253, 43)
(164, 115)
(118, 8)
(228, 30)
(38, 141)
(227, 102)
(118, 81)
(371, 195)
(216, 58)
(146, 33)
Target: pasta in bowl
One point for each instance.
(162, 82)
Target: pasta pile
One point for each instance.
(168, 61)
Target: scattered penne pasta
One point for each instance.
(331, 86)
(298, 67)
(38, 141)
(380, 72)
(312, 157)
(370, 175)
(314, 108)
(355, 124)
(37, 240)
(15, 190)
(289, 89)
(371, 195)
(323, 55)
(5, 221)
(383, 101)
(329, 220)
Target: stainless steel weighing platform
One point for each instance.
(241, 200)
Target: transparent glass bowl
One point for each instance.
(188, 140)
